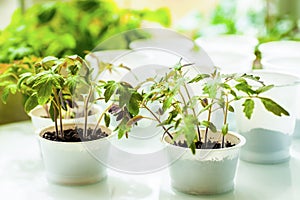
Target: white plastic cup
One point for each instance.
(232, 62)
(269, 136)
(286, 64)
(228, 43)
(279, 48)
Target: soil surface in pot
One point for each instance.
(208, 145)
(75, 135)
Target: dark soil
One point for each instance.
(208, 145)
(75, 135)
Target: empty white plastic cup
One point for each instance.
(269, 136)
(228, 43)
(286, 64)
(279, 48)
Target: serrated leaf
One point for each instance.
(273, 107)
(248, 107)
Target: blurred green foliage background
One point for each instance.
(73, 27)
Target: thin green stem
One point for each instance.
(225, 118)
(194, 112)
(158, 120)
(58, 107)
(101, 117)
(206, 129)
(86, 103)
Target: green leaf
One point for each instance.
(72, 82)
(31, 103)
(51, 111)
(211, 88)
(273, 107)
(106, 119)
(225, 129)
(134, 103)
(264, 89)
(10, 88)
(171, 116)
(209, 125)
(245, 88)
(177, 123)
(167, 103)
(193, 148)
(230, 108)
(212, 127)
(23, 77)
(248, 107)
(233, 93)
(199, 77)
(44, 93)
(110, 89)
(251, 77)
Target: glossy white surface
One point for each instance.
(23, 177)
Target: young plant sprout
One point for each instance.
(184, 108)
(53, 82)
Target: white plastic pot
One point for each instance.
(39, 120)
(228, 43)
(269, 136)
(279, 48)
(232, 62)
(74, 163)
(286, 64)
(209, 171)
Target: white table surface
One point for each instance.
(22, 176)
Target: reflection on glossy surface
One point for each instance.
(22, 171)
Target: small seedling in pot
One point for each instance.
(184, 107)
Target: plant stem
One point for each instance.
(183, 99)
(158, 120)
(55, 122)
(101, 117)
(194, 112)
(86, 103)
(225, 118)
(206, 129)
(58, 107)
(46, 108)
